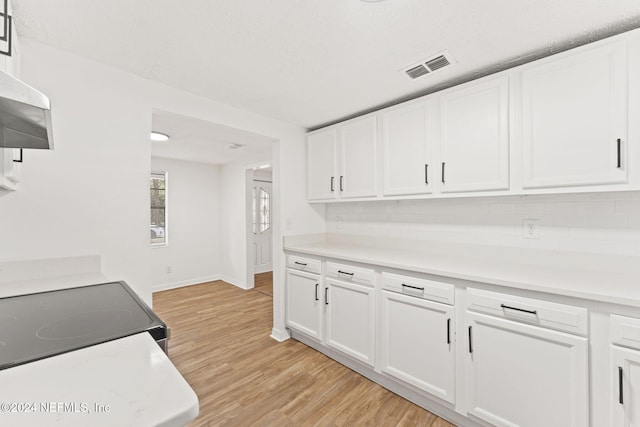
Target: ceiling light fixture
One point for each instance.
(157, 136)
(264, 166)
(233, 146)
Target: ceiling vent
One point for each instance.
(430, 65)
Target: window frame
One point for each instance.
(165, 176)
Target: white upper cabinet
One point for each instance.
(321, 164)
(342, 160)
(474, 137)
(406, 150)
(574, 112)
(358, 160)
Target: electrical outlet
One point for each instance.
(338, 222)
(530, 228)
(168, 270)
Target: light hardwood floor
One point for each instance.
(220, 343)
(263, 282)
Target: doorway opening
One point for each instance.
(259, 180)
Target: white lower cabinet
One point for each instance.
(625, 409)
(305, 303)
(524, 375)
(350, 319)
(625, 372)
(417, 343)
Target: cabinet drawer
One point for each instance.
(625, 331)
(304, 264)
(421, 288)
(560, 317)
(349, 273)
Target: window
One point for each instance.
(158, 188)
(261, 210)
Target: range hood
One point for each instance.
(25, 115)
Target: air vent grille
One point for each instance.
(417, 71)
(437, 63)
(430, 65)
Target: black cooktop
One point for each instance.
(45, 324)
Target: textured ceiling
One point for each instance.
(201, 141)
(311, 62)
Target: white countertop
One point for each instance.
(131, 375)
(604, 278)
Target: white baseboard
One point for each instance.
(182, 283)
(234, 282)
(280, 335)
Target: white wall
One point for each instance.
(607, 223)
(193, 226)
(90, 194)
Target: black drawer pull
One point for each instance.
(519, 309)
(619, 153)
(344, 272)
(326, 298)
(470, 342)
(426, 174)
(317, 284)
(341, 180)
(448, 331)
(332, 190)
(443, 172)
(412, 287)
(19, 159)
(304, 264)
(620, 385)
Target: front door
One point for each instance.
(262, 202)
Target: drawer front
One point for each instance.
(309, 265)
(550, 315)
(421, 288)
(350, 273)
(625, 331)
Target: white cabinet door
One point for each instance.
(304, 303)
(321, 165)
(523, 375)
(574, 119)
(626, 387)
(9, 170)
(474, 137)
(350, 319)
(417, 343)
(407, 150)
(358, 176)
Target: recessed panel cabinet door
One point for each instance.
(358, 157)
(304, 303)
(417, 343)
(523, 375)
(408, 168)
(625, 387)
(321, 165)
(474, 137)
(574, 119)
(350, 319)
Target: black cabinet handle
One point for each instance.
(470, 342)
(619, 153)
(341, 180)
(620, 385)
(426, 173)
(443, 172)
(519, 309)
(19, 160)
(448, 331)
(412, 287)
(326, 297)
(317, 284)
(344, 272)
(332, 190)
(300, 263)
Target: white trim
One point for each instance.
(280, 335)
(183, 283)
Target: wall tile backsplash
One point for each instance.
(592, 222)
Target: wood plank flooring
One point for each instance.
(220, 343)
(263, 282)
